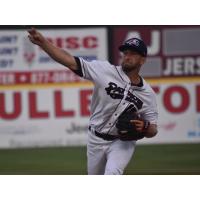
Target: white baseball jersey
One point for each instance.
(113, 93)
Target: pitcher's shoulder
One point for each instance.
(148, 88)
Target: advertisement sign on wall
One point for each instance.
(45, 104)
(172, 50)
(45, 116)
(179, 110)
(59, 115)
(41, 102)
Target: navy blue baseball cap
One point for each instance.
(134, 44)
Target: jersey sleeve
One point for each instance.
(151, 113)
(79, 70)
(91, 70)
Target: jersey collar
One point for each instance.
(128, 81)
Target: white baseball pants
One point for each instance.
(108, 157)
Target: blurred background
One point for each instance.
(45, 108)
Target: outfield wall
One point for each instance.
(44, 104)
(179, 110)
(56, 115)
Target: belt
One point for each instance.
(105, 136)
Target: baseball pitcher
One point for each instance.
(123, 106)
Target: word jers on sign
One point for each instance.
(182, 66)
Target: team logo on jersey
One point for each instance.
(116, 92)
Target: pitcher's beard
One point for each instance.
(129, 68)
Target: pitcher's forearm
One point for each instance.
(59, 55)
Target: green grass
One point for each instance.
(166, 159)
(148, 159)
